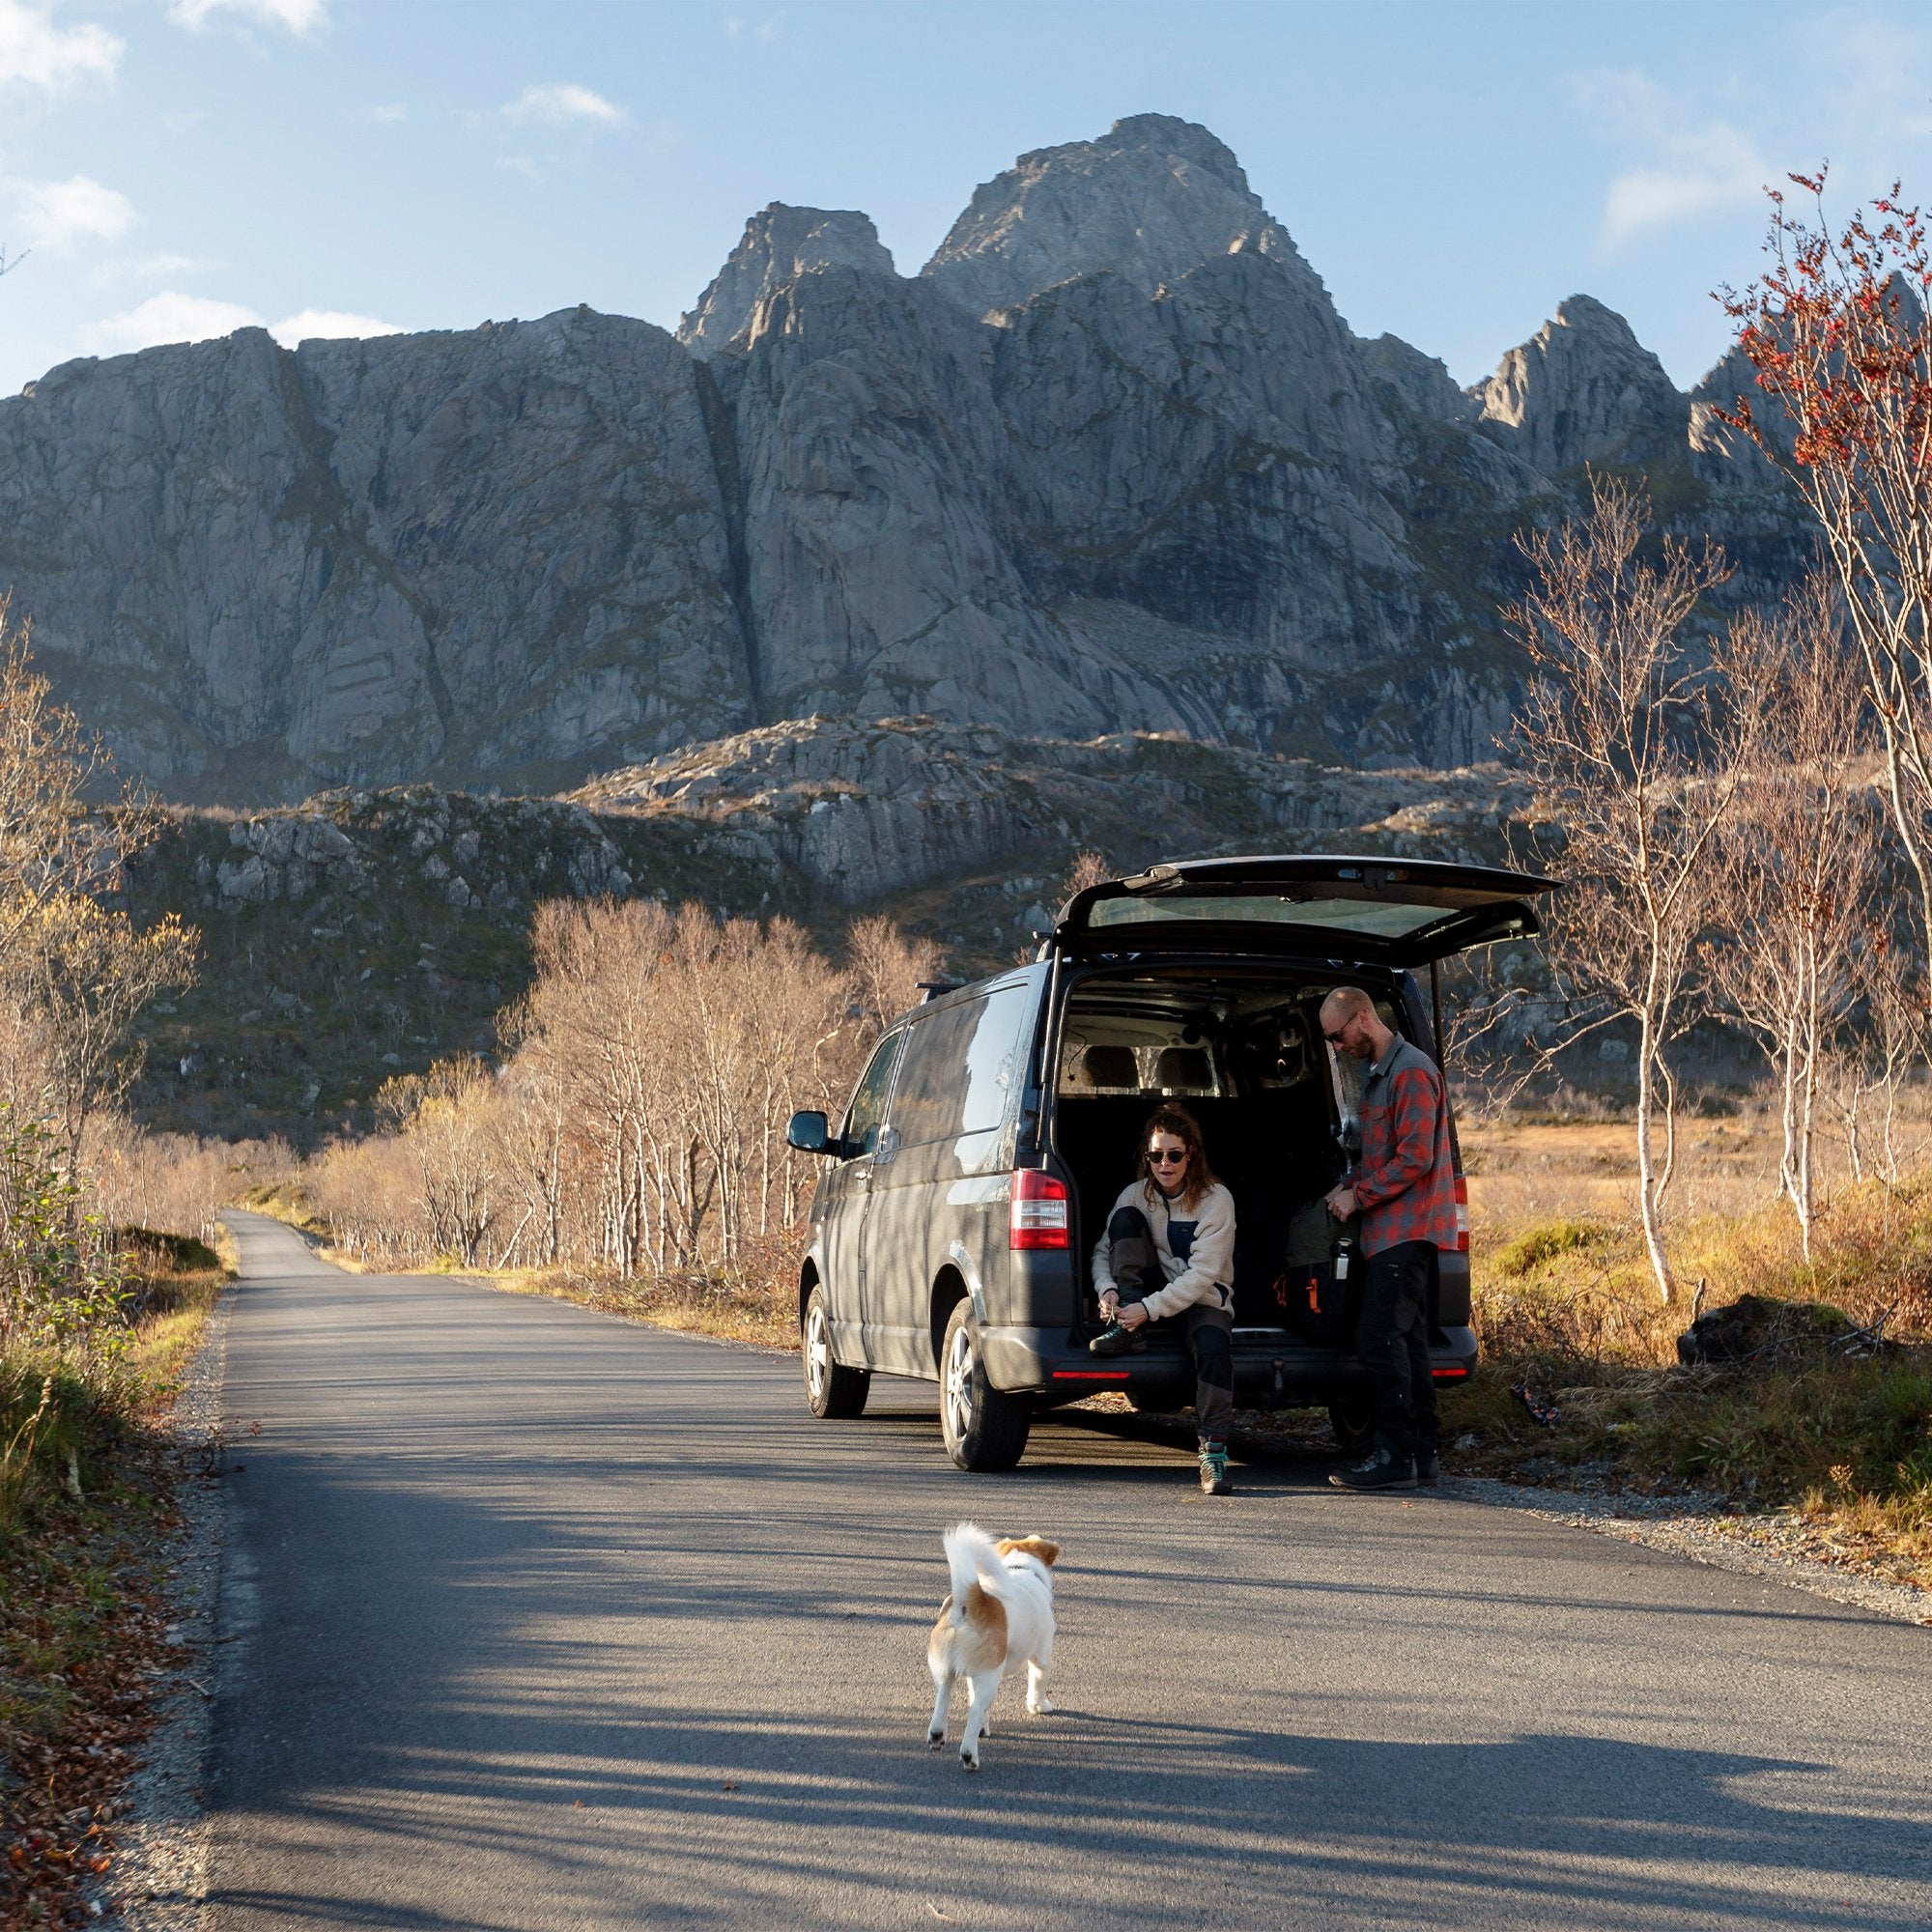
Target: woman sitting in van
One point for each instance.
(1169, 1250)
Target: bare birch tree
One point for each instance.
(887, 968)
(1798, 866)
(1634, 750)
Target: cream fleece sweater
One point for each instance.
(1208, 1271)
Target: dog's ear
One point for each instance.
(1034, 1546)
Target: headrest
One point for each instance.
(1184, 1070)
(1112, 1067)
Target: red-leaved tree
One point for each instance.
(1838, 330)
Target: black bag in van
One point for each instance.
(1317, 1307)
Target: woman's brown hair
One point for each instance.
(1169, 1119)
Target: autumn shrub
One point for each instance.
(1536, 1245)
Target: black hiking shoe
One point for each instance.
(1215, 1480)
(1428, 1469)
(1114, 1340)
(1378, 1471)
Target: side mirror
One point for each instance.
(808, 1133)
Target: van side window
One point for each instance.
(962, 1068)
(867, 1110)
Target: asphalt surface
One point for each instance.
(533, 1618)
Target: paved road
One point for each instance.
(536, 1619)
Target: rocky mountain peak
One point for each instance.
(1151, 199)
(1582, 389)
(780, 243)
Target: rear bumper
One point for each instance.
(1270, 1366)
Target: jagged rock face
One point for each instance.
(1583, 389)
(362, 559)
(1111, 462)
(1151, 199)
(779, 244)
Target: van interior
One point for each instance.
(1241, 1049)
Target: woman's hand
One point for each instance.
(1110, 1301)
(1132, 1316)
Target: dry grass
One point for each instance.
(1566, 1305)
(178, 1291)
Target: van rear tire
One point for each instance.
(833, 1393)
(984, 1428)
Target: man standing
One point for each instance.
(1404, 1190)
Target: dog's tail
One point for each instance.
(973, 1557)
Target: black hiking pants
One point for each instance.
(1210, 1330)
(1392, 1344)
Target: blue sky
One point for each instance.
(180, 167)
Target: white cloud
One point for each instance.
(388, 112)
(163, 268)
(60, 214)
(1693, 162)
(299, 17)
(175, 317)
(36, 53)
(329, 322)
(168, 316)
(561, 102)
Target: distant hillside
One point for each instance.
(1110, 461)
(370, 932)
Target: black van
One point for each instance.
(993, 1127)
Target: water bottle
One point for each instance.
(1344, 1252)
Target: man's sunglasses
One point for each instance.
(1167, 1156)
(1335, 1038)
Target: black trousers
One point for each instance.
(1392, 1344)
(1211, 1331)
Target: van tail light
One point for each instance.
(1040, 1217)
(1461, 1215)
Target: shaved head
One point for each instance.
(1343, 1003)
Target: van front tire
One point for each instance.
(984, 1428)
(832, 1393)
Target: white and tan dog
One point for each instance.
(1000, 1612)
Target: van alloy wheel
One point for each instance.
(817, 1354)
(959, 1367)
(832, 1391)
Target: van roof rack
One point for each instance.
(935, 989)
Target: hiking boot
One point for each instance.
(1215, 1480)
(1378, 1471)
(1114, 1340)
(1428, 1469)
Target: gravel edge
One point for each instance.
(1700, 1528)
(1722, 1540)
(158, 1882)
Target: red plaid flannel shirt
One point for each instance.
(1406, 1184)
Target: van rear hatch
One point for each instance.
(1399, 913)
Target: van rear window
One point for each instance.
(1364, 916)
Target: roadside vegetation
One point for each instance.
(1824, 1405)
(98, 1316)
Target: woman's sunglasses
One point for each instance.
(1167, 1156)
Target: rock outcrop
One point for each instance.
(1111, 462)
(828, 807)
(1583, 389)
(779, 244)
(1153, 198)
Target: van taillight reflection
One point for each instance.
(1461, 1215)
(1039, 1212)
